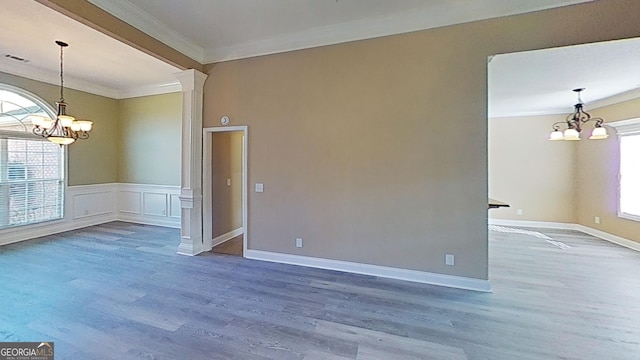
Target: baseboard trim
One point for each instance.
(610, 237)
(149, 220)
(452, 281)
(534, 224)
(227, 236)
(618, 240)
(54, 227)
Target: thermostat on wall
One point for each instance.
(224, 120)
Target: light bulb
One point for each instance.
(556, 135)
(598, 133)
(571, 134)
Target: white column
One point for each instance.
(192, 82)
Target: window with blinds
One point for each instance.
(31, 168)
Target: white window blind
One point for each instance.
(31, 168)
(630, 175)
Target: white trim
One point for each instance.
(534, 224)
(148, 24)
(191, 226)
(53, 78)
(566, 226)
(88, 205)
(149, 90)
(226, 237)
(626, 127)
(452, 281)
(610, 237)
(626, 216)
(383, 25)
(142, 214)
(615, 99)
(207, 195)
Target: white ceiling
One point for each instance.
(541, 82)
(93, 62)
(538, 82)
(212, 31)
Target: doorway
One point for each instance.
(225, 189)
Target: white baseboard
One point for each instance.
(374, 270)
(610, 237)
(227, 236)
(534, 224)
(148, 220)
(634, 245)
(52, 227)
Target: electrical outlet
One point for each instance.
(228, 182)
(299, 242)
(596, 219)
(519, 211)
(449, 259)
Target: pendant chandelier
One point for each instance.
(574, 123)
(65, 129)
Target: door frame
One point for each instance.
(207, 181)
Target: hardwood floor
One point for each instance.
(119, 291)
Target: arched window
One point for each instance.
(31, 168)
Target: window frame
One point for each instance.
(50, 111)
(624, 128)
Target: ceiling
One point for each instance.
(537, 82)
(541, 82)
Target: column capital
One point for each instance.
(191, 80)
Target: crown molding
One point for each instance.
(148, 24)
(615, 99)
(392, 24)
(157, 89)
(592, 105)
(53, 78)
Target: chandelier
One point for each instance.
(574, 123)
(65, 129)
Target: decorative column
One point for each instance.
(191, 241)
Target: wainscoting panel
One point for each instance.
(149, 204)
(154, 204)
(175, 210)
(91, 201)
(85, 205)
(129, 202)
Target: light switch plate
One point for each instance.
(259, 187)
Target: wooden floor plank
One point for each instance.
(120, 291)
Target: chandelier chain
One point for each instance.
(61, 75)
